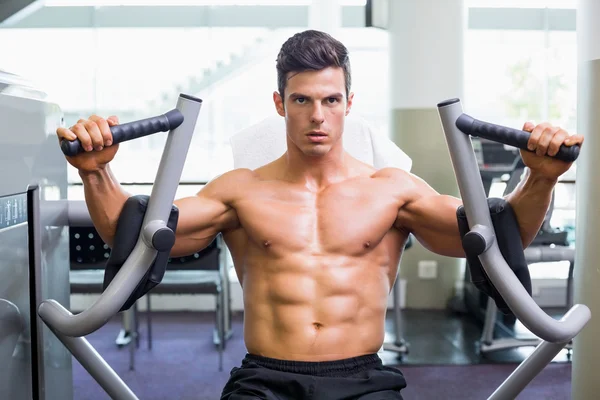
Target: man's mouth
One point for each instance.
(317, 137)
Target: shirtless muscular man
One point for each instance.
(316, 235)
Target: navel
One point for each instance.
(317, 325)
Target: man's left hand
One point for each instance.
(545, 141)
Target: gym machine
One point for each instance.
(549, 245)
(495, 162)
(492, 254)
(33, 362)
(156, 237)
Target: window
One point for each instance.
(569, 4)
(511, 76)
(515, 76)
(120, 72)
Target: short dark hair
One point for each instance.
(311, 50)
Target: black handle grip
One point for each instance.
(132, 130)
(509, 136)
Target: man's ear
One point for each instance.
(278, 103)
(349, 103)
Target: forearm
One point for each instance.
(530, 201)
(104, 198)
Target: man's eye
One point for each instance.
(300, 100)
(333, 100)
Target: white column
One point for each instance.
(426, 67)
(325, 15)
(586, 354)
(426, 50)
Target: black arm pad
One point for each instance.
(129, 226)
(509, 241)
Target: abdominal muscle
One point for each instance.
(315, 307)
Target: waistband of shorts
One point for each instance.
(344, 366)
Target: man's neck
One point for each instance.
(316, 173)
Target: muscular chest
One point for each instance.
(345, 220)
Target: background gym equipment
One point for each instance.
(549, 245)
(481, 242)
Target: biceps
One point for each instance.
(448, 245)
(198, 214)
(432, 220)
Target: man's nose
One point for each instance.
(317, 116)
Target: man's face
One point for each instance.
(314, 107)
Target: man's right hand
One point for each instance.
(96, 139)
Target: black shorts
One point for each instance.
(363, 377)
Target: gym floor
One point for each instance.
(443, 361)
(443, 338)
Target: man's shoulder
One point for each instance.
(231, 181)
(401, 183)
(229, 186)
(238, 175)
(395, 174)
(246, 176)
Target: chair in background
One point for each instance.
(88, 255)
(202, 273)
